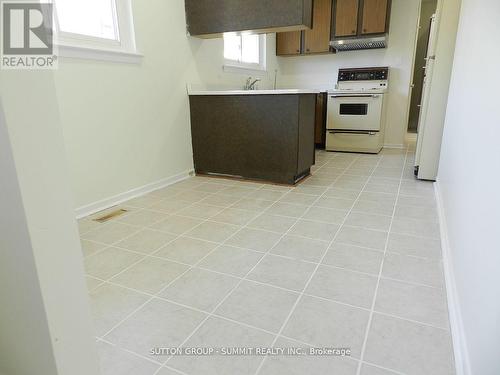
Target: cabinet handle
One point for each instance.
(353, 32)
(364, 30)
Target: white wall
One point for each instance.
(469, 181)
(210, 61)
(127, 126)
(18, 315)
(321, 71)
(45, 325)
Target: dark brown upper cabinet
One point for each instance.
(346, 18)
(360, 18)
(313, 41)
(375, 17)
(212, 18)
(317, 40)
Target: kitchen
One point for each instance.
(312, 59)
(244, 177)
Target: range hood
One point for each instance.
(341, 45)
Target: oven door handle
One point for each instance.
(358, 132)
(375, 96)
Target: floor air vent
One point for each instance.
(110, 216)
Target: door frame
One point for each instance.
(49, 313)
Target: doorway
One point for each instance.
(427, 10)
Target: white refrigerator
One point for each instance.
(423, 143)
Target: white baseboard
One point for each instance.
(134, 193)
(396, 146)
(460, 349)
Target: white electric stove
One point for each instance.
(356, 111)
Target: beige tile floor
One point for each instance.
(350, 258)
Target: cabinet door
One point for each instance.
(317, 40)
(346, 18)
(320, 124)
(288, 43)
(375, 15)
(210, 18)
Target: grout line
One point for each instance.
(141, 227)
(129, 351)
(370, 319)
(258, 213)
(312, 275)
(157, 257)
(114, 245)
(191, 267)
(171, 282)
(272, 202)
(382, 368)
(238, 284)
(139, 356)
(158, 296)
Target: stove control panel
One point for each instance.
(364, 74)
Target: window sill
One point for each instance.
(229, 68)
(97, 54)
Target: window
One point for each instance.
(95, 18)
(245, 51)
(96, 29)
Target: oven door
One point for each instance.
(355, 112)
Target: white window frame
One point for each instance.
(93, 48)
(237, 66)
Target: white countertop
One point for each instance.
(253, 92)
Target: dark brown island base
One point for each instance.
(265, 135)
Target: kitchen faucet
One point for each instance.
(250, 85)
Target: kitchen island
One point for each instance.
(265, 135)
